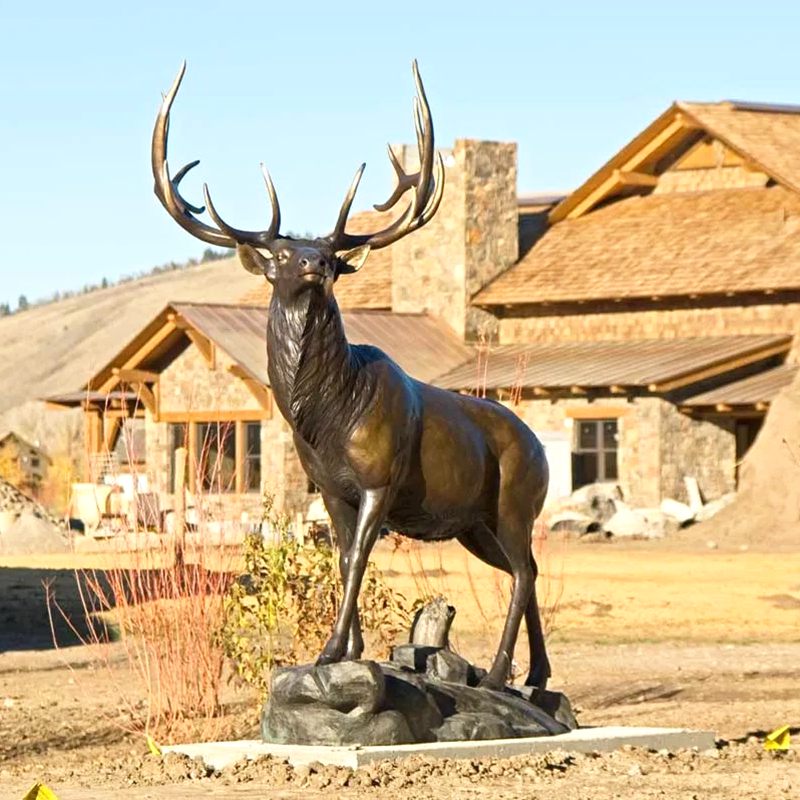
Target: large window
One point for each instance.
(594, 457)
(216, 456)
(252, 457)
(224, 456)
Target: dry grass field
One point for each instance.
(642, 633)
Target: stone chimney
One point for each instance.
(472, 238)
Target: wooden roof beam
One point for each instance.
(719, 368)
(661, 141)
(111, 426)
(130, 375)
(148, 399)
(259, 391)
(635, 178)
(206, 347)
(136, 358)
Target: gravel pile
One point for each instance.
(27, 527)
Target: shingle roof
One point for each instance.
(370, 287)
(662, 245)
(760, 388)
(655, 364)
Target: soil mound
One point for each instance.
(32, 535)
(767, 505)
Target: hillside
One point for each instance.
(56, 347)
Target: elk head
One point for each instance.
(297, 265)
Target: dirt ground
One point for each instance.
(670, 633)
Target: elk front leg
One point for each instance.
(371, 514)
(344, 518)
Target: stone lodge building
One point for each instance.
(640, 324)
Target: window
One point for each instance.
(223, 457)
(594, 457)
(251, 481)
(216, 456)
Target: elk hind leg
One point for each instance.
(539, 670)
(505, 553)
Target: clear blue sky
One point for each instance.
(315, 88)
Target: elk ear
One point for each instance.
(353, 260)
(259, 263)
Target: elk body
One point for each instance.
(386, 450)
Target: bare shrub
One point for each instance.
(165, 613)
(282, 610)
(167, 617)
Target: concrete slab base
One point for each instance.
(584, 740)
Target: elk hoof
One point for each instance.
(538, 677)
(332, 654)
(494, 682)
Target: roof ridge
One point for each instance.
(218, 304)
(744, 105)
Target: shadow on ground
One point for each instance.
(25, 618)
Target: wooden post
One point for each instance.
(179, 489)
(299, 528)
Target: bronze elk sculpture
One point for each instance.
(385, 449)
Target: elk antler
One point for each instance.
(427, 184)
(180, 210)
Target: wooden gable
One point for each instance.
(696, 147)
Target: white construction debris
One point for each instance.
(600, 508)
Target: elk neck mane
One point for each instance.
(315, 372)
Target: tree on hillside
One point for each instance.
(5, 309)
(209, 254)
(22, 303)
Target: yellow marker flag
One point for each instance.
(779, 739)
(152, 746)
(40, 792)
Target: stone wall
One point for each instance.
(628, 321)
(189, 384)
(697, 180)
(703, 448)
(638, 425)
(472, 238)
(657, 444)
(281, 471)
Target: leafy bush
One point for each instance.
(282, 610)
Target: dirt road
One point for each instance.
(642, 634)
